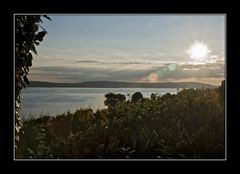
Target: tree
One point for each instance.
(28, 34)
(112, 99)
(137, 96)
(153, 96)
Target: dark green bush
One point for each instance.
(189, 124)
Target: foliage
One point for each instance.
(27, 36)
(137, 96)
(189, 124)
(112, 99)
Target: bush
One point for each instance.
(189, 124)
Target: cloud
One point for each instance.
(186, 71)
(55, 57)
(63, 74)
(144, 65)
(111, 62)
(207, 73)
(129, 71)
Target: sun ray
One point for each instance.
(198, 51)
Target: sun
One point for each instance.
(198, 51)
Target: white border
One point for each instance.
(125, 14)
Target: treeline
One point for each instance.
(189, 124)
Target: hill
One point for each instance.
(115, 84)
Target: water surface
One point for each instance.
(53, 101)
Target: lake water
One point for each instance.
(53, 101)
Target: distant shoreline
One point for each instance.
(115, 84)
(97, 87)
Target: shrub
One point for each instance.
(189, 124)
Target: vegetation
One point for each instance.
(27, 36)
(189, 124)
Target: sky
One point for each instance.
(133, 48)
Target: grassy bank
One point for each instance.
(189, 124)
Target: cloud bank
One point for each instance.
(133, 71)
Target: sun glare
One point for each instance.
(198, 51)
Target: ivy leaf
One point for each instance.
(35, 27)
(131, 152)
(47, 17)
(29, 60)
(40, 35)
(33, 49)
(22, 84)
(26, 79)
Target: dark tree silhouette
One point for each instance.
(28, 34)
(112, 99)
(137, 96)
(153, 96)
